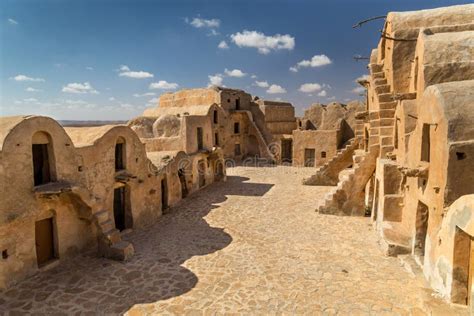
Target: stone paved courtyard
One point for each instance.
(252, 245)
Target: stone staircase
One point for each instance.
(347, 197)
(327, 174)
(111, 244)
(264, 147)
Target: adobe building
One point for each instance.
(231, 119)
(68, 190)
(323, 131)
(412, 170)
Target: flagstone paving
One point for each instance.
(252, 245)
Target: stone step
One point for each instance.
(378, 75)
(382, 89)
(374, 68)
(379, 82)
(386, 122)
(387, 114)
(385, 97)
(122, 251)
(107, 225)
(101, 216)
(386, 131)
(113, 236)
(388, 105)
(386, 140)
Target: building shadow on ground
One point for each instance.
(100, 286)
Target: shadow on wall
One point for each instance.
(91, 284)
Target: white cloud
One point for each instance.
(79, 88)
(223, 45)
(358, 90)
(215, 80)
(126, 72)
(253, 76)
(89, 68)
(332, 98)
(262, 84)
(111, 99)
(213, 32)
(361, 78)
(30, 89)
(204, 23)
(163, 85)
(264, 44)
(322, 93)
(148, 94)
(154, 101)
(310, 87)
(29, 100)
(316, 61)
(26, 78)
(13, 22)
(235, 73)
(274, 89)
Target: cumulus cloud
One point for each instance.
(253, 76)
(362, 78)
(26, 78)
(275, 89)
(81, 88)
(223, 45)
(12, 21)
(124, 71)
(263, 43)
(262, 84)
(30, 89)
(153, 101)
(204, 23)
(215, 80)
(322, 93)
(234, 73)
(358, 90)
(163, 85)
(315, 61)
(310, 87)
(148, 94)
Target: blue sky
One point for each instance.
(100, 60)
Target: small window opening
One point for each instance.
(425, 143)
(216, 118)
(323, 154)
(461, 155)
(236, 128)
(5, 254)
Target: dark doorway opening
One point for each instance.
(216, 139)
(164, 194)
(215, 116)
(219, 172)
(237, 104)
(122, 214)
(182, 180)
(309, 155)
(237, 151)
(421, 230)
(44, 240)
(202, 173)
(200, 138)
(41, 164)
(366, 140)
(286, 150)
(236, 128)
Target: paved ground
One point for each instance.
(252, 245)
